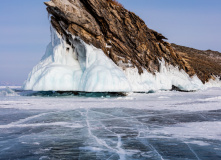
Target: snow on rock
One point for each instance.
(214, 82)
(163, 80)
(86, 68)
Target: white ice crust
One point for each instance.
(86, 68)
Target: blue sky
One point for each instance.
(25, 33)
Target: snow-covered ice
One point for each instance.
(82, 67)
(161, 125)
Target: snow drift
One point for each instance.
(82, 67)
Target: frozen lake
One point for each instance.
(163, 125)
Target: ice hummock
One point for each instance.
(83, 67)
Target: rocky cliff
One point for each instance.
(98, 46)
(121, 34)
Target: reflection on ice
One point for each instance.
(72, 93)
(163, 125)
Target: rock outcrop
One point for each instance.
(126, 40)
(121, 34)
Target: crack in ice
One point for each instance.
(192, 151)
(119, 150)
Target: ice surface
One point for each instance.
(86, 68)
(198, 130)
(162, 125)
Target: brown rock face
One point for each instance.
(121, 34)
(206, 64)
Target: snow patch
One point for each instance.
(201, 130)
